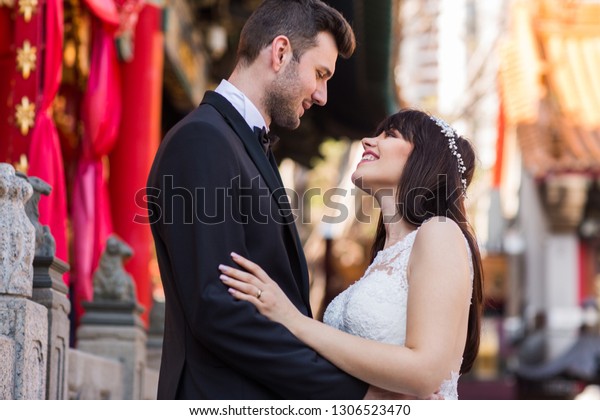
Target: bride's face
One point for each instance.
(382, 162)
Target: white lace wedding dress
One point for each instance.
(375, 306)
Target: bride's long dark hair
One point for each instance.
(430, 186)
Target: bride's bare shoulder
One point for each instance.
(440, 226)
(440, 236)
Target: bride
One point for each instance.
(411, 324)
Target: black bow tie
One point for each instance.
(267, 140)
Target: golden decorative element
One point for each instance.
(25, 115)
(27, 8)
(26, 59)
(7, 3)
(69, 53)
(22, 165)
(77, 44)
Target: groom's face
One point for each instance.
(301, 84)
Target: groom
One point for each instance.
(217, 189)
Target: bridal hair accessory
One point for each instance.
(449, 132)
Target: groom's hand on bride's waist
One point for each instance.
(375, 393)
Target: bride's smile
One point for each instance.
(382, 162)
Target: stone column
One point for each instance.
(156, 333)
(564, 199)
(50, 290)
(111, 326)
(23, 323)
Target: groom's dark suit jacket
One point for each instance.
(212, 190)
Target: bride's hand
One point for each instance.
(256, 287)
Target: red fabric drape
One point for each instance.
(105, 10)
(101, 115)
(7, 68)
(45, 156)
(139, 137)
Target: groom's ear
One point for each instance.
(281, 52)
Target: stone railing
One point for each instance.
(110, 361)
(23, 323)
(50, 291)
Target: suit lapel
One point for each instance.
(285, 205)
(245, 133)
(269, 171)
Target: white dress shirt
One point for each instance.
(242, 104)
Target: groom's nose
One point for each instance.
(320, 94)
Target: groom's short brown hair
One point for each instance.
(301, 21)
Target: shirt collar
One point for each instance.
(242, 104)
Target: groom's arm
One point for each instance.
(375, 393)
(232, 330)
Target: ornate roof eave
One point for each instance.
(551, 85)
(185, 57)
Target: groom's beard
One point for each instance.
(284, 97)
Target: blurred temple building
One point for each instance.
(550, 94)
(520, 79)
